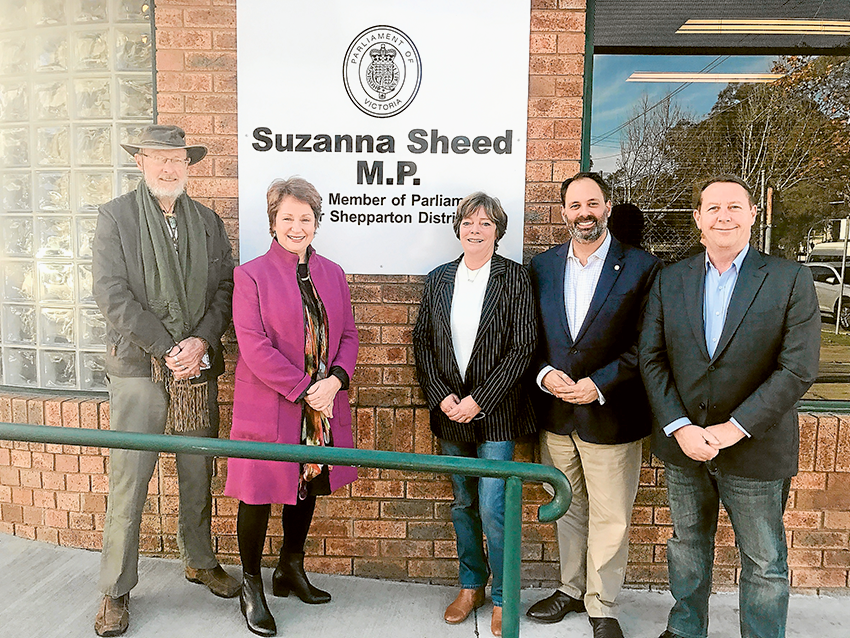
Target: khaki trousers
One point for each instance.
(593, 536)
(136, 404)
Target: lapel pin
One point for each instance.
(616, 266)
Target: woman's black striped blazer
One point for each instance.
(506, 338)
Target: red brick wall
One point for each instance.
(397, 525)
(389, 524)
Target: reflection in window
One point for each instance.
(76, 79)
(780, 122)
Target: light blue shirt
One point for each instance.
(718, 293)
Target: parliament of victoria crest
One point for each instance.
(382, 71)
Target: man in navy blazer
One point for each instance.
(590, 401)
(729, 344)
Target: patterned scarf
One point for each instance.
(315, 426)
(175, 285)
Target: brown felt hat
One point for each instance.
(166, 136)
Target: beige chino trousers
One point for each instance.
(593, 536)
(136, 404)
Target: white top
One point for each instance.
(467, 302)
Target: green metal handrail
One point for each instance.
(514, 474)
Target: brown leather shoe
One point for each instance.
(496, 621)
(216, 579)
(466, 601)
(113, 617)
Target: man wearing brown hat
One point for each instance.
(163, 279)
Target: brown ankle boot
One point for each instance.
(113, 617)
(466, 601)
(496, 621)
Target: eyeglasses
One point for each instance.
(159, 159)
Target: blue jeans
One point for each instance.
(479, 504)
(755, 508)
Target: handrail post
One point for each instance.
(511, 566)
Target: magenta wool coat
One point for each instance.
(268, 315)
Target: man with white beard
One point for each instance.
(163, 280)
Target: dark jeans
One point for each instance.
(479, 504)
(755, 508)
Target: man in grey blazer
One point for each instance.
(590, 402)
(163, 280)
(730, 342)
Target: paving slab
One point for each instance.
(48, 591)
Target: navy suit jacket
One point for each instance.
(604, 348)
(765, 360)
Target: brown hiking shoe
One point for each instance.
(113, 617)
(216, 579)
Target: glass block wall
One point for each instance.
(76, 79)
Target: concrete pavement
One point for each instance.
(51, 592)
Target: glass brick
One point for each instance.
(54, 237)
(85, 236)
(14, 102)
(136, 98)
(19, 366)
(91, 50)
(92, 327)
(93, 189)
(129, 180)
(93, 98)
(133, 11)
(51, 53)
(93, 371)
(48, 12)
(18, 281)
(17, 235)
(57, 327)
(89, 11)
(19, 324)
(53, 146)
(14, 147)
(94, 145)
(133, 49)
(85, 279)
(53, 190)
(14, 14)
(13, 55)
(128, 133)
(51, 100)
(58, 369)
(16, 192)
(56, 282)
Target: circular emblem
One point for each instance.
(382, 71)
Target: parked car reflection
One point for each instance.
(827, 286)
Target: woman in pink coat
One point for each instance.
(297, 350)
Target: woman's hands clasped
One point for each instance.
(320, 396)
(462, 411)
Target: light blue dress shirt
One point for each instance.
(718, 293)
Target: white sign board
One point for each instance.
(394, 111)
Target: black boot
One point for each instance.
(254, 607)
(290, 576)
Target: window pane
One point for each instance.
(76, 79)
(782, 123)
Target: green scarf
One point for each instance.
(175, 285)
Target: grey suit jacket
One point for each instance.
(766, 359)
(507, 334)
(133, 333)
